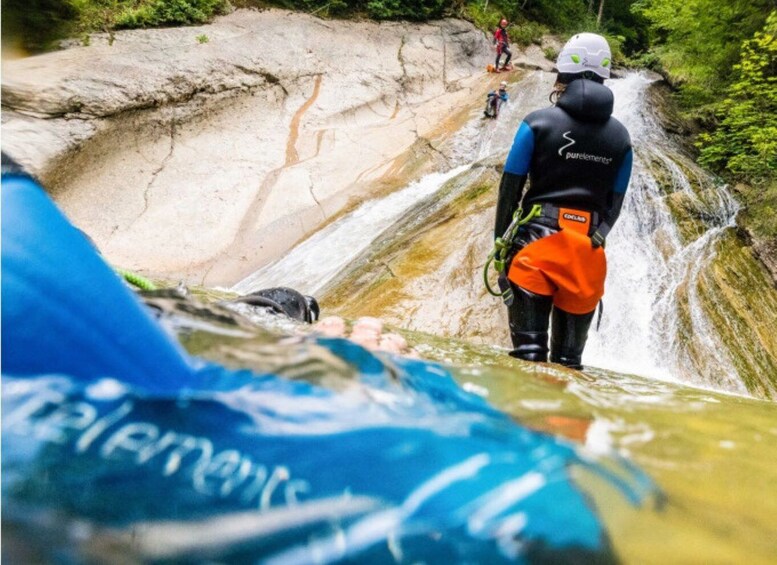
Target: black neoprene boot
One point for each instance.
(568, 337)
(529, 319)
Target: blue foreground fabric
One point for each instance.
(116, 442)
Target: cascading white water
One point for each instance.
(317, 260)
(652, 272)
(480, 139)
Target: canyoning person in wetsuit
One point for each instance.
(577, 158)
(502, 42)
(495, 99)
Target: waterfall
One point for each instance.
(653, 319)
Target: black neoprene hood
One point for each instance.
(587, 100)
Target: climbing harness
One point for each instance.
(502, 247)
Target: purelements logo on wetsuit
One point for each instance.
(574, 217)
(581, 156)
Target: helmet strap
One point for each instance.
(566, 78)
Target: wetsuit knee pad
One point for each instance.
(568, 338)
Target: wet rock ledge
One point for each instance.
(201, 160)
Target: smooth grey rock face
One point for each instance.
(202, 161)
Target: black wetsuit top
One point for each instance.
(575, 154)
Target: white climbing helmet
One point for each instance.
(503, 84)
(585, 52)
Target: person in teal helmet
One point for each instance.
(495, 99)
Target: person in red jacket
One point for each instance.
(502, 42)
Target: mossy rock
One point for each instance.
(740, 299)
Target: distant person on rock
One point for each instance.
(502, 43)
(495, 99)
(577, 158)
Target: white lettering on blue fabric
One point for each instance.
(48, 416)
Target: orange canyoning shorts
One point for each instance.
(564, 265)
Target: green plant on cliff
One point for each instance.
(697, 41)
(145, 13)
(406, 9)
(720, 54)
(34, 24)
(744, 143)
(38, 22)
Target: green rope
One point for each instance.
(136, 280)
(503, 245)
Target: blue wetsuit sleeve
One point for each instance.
(617, 195)
(624, 173)
(57, 288)
(519, 159)
(514, 178)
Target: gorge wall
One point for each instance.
(200, 160)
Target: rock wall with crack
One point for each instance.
(202, 161)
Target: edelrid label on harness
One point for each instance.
(575, 217)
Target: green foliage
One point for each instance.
(630, 26)
(331, 8)
(145, 13)
(722, 54)
(202, 38)
(530, 19)
(698, 41)
(484, 16)
(39, 22)
(647, 60)
(557, 14)
(745, 141)
(527, 32)
(95, 15)
(744, 144)
(405, 9)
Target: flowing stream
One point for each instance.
(661, 388)
(662, 393)
(317, 260)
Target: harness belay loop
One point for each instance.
(503, 245)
